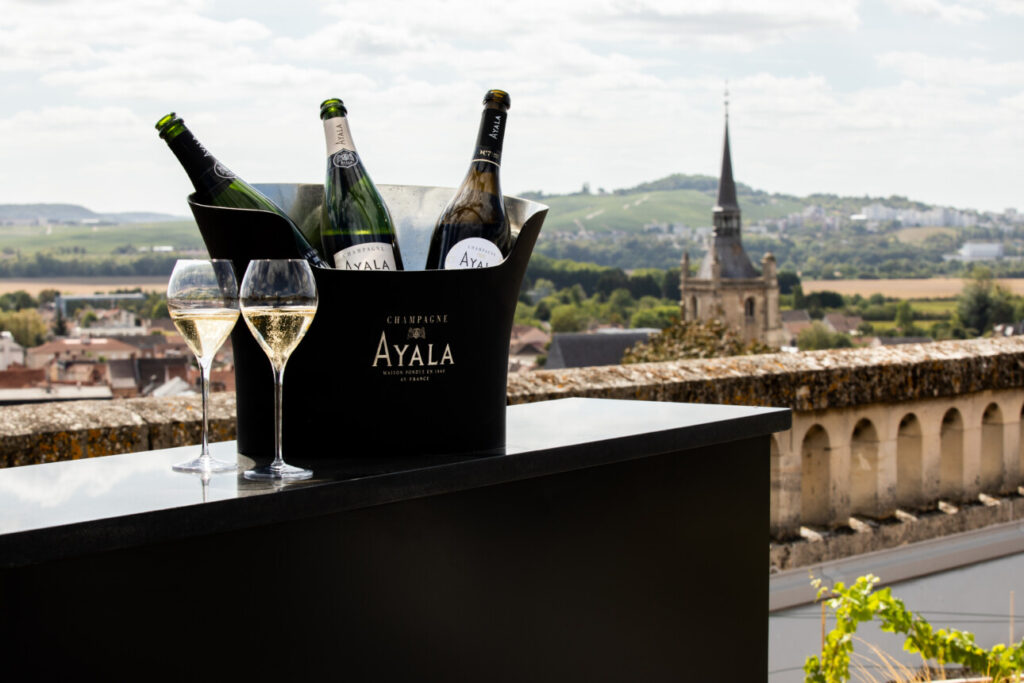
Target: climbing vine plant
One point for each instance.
(861, 602)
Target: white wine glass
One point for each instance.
(202, 298)
(279, 301)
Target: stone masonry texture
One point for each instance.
(47, 432)
(802, 381)
(809, 381)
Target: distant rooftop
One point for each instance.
(56, 392)
(578, 350)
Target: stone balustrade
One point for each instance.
(874, 430)
(878, 434)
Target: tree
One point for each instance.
(60, 325)
(610, 280)
(818, 336)
(658, 316)
(983, 303)
(692, 339)
(620, 301)
(799, 301)
(543, 310)
(644, 284)
(26, 326)
(670, 284)
(543, 287)
(567, 318)
(159, 309)
(48, 296)
(787, 280)
(16, 301)
(905, 319)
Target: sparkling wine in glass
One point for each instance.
(279, 301)
(202, 298)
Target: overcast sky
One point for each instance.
(923, 98)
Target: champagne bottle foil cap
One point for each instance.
(332, 103)
(499, 96)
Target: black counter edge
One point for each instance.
(308, 501)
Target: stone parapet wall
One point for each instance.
(46, 432)
(810, 381)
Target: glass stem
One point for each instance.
(204, 372)
(278, 463)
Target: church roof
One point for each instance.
(579, 350)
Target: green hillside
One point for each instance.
(631, 212)
(98, 239)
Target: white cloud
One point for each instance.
(954, 13)
(967, 72)
(613, 92)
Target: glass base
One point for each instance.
(273, 473)
(205, 464)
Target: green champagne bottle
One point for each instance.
(356, 232)
(216, 185)
(473, 230)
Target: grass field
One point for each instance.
(99, 239)
(930, 288)
(83, 285)
(919, 235)
(934, 306)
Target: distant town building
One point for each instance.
(141, 376)
(977, 251)
(111, 322)
(20, 377)
(66, 350)
(843, 324)
(526, 343)
(793, 323)
(934, 216)
(727, 286)
(11, 352)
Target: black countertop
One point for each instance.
(66, 509)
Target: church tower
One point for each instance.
(727, 286)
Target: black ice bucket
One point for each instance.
(405, 363)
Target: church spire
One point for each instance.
(726, 245)
(726, 185)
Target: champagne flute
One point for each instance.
(278, 303)
(202, 298)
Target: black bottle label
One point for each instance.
(492, 134)
(207, 174)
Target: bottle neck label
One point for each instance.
(338, 136)
(473, 252)
(491, 136)
(366, 256)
